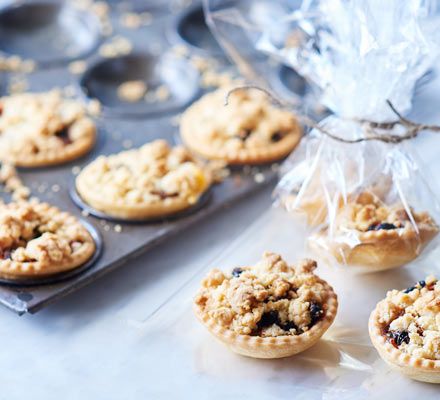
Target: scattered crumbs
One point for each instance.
(76, 170)
(132, 20)
(116, 46)
(56, 188)
(85, 213)
(102, 222)
(107, 228)
(259, 178)
(132, 91)
(12, 183)
(42, 188)
(94, 107)
(117, 228)
(162, 93)
(127, 143)
(77, 67)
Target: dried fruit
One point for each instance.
(269, 318)
(236, 272)
(316, 313)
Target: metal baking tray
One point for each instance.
(34, 29)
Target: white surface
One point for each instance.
(90, 345)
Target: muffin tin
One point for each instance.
(120, 126)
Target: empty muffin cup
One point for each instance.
(141, 84)
(47, 32)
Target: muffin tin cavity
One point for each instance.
(191, 29)
(77, 199)
(63, 275)
(158, 84)
(47, 32)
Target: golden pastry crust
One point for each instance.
(249, 130)
(152, 181)
(38, 240)
(42, 129)
(369, 234)
(270, 310)
(405, 330)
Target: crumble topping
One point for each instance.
(35, 232)
(41, 123)
(270, 298)
(368, 213)
(152, 173)
(411, 319)
(248, 121)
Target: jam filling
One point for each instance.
(164, 195)
(383, 226)
(244, 134)
(63, 135)
(277, 136)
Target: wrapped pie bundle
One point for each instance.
(355, 180)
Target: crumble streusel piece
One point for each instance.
(38, 240)
(249, 130)
(39, 129)
(267, 301)
(154, 180)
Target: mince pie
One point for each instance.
(41, 129)
(269, 310)
(367, 233)
(249, 130)
(405, 330)
(152, 181)
(38, 240)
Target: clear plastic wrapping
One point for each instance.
(368, 202)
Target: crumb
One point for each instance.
(77, 67)
(132, 91)
(85, 213)
(118, 228)
(259, 178)
(94, 107)
(55, 188)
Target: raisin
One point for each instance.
(398, 337)
(63, 135)
(384, 225)
(236, 272)
(276, 136)
(288, 326)
(269, 318)
(419, 284)
(316, 313)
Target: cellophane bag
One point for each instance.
(368, 203)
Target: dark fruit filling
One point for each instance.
(396, 338)
(272, 317)
(236, 272)
(418, 285)
(276, 137)
(63, 135)
(316, 313)
(5, 254)
(384, 225)
(163, 195)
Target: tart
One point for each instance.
(152, 181)
(42, 129)
(38, 240)
(269, 310)
(249, 130)
(367, 233)
(405, 330)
